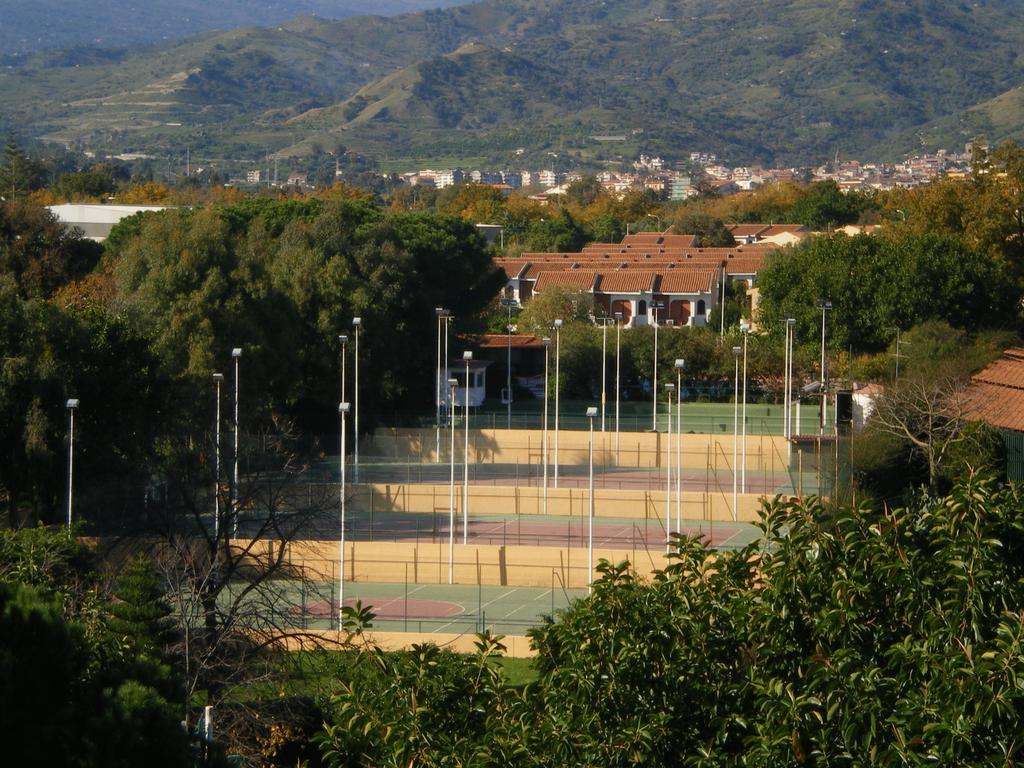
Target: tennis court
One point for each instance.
(436, 608)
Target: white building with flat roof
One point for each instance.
(96, 221)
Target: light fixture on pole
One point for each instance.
(558, 346)
(357, 323)
(236, 355)
(218, 379)
(591, 413)
(438, 387)
(72, 406)
(824, 306)
(452, 384)
(654, 383)
(745, 329)
(670, 388)
(618, 328)
(679, 365)
(736, 352)
(544, 441)
(468, 357)
(343, 409)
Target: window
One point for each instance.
(701, 307)
(641, 307)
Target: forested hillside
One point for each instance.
(781, 81)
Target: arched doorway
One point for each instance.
(625, 307)
(679, 311)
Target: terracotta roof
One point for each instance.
(1007, 371)
(747, 230)
(996, 394)
(626, 281)
(572, 278)
(513, 268)
(688, 281)
(501, 341)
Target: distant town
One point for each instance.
(700, 172)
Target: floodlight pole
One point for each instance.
(72, 406)
(618, 329)
(218, 379)
(558, 347)
(236, 354)
(591, 413)
(604, 369)
(438, 311)
(679, 365)
(544, 446)
(654, 384)
(824, 306)
(745, 328)
(468, 357)
(736, 352)
(452, 384)
(357, 323)
(508, 304)
(343, 409)
(669, 389)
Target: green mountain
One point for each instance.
(783, 81)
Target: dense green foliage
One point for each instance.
(849, 635)
(82, 682)
(877, 284)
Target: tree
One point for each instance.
(18, 173)
(426, 707)
(929, 414)
(877, 284)
(711, 232)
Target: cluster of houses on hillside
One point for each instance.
(703, 171)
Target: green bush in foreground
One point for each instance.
(848, 636)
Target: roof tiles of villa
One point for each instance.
(626, 281)
(565, 279)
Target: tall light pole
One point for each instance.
(343, 409)
(736, 352)
(357, 323)
(745, 329)
(591, 413)
(218, 379)
(679, 365)
(618, 328)
(72, 406)
(787, 395)
(654, 384)
(604, 368)
(669, 390)
(236, 355)
(468, 357)
(343, 342)
(452, 384)
(544, 436)
(438, 386)
(508, 303)
(558, 348)
(824, 306)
